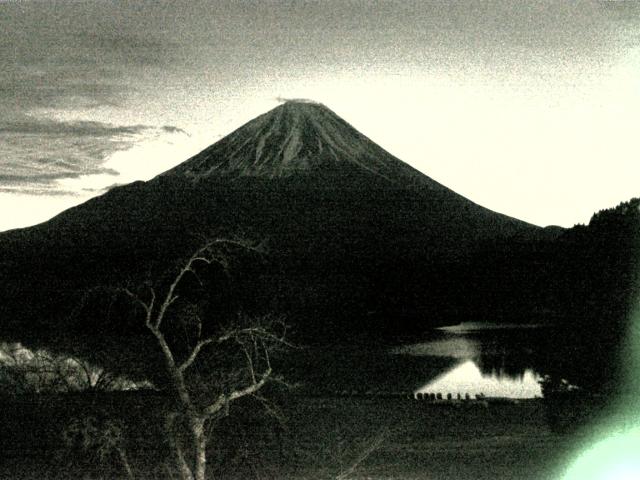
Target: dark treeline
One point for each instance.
(594, 288)
(585, 283)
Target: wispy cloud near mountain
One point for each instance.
(78, 128)
(36, 153)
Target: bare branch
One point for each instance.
(259, 332)
(206, 260)
(147, 307)
(205, 255)
(227, 398)
(273, 410)
(134, 297)
(371, 447)
(194, 353)
(247, 356)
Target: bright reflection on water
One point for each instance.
(467, 378)
(496, 362)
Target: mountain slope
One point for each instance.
(359, 242)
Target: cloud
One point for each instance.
(36, 154)
(72, 128)
(281, 99)
(19, 192)
(172, 129)
(28, 90)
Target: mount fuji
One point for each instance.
(358, 240)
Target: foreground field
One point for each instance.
(312, 438)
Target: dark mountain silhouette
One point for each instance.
(359, 242)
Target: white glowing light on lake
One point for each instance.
(467, 378)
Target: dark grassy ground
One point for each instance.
(343, 403)
(427, 441)
(317, 437)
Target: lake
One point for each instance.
(487, 359)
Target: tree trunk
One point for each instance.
(125, 462)
(200, 447)
(184, 471)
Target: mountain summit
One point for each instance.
(299, 137)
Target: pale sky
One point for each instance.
(528, 108)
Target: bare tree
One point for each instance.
(207, 365)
